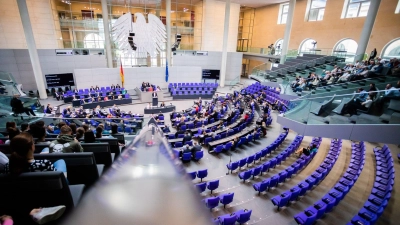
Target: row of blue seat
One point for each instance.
(211, 185)
(213, 202)
(242, 141)
(316, 177)
(261, 154)
(281, 177)
(339, 191)
(272, 162)
(381, 191)
(242, 216)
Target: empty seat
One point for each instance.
(212, 185)
(226, 199)
(202, 174)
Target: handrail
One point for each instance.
(312, 98)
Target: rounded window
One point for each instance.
(346, 48)
(93, 40)
(392, 49)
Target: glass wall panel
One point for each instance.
(80, 24)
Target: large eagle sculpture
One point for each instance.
(140, 38)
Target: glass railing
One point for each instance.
(345, 109)
(8, 116)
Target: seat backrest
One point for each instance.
(82, 167)
(33, 190)
(102, 152)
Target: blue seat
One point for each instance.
(320, 208)
(201, 187)
(198, 155)
(281, 200)
(242, 216)
(242, 162)
(128, 130)
(295, 192)
(207, 140)
(245, 175)
(228, 146)
(261, 186)
(187, 156)
(218, 148)
(178, 144)
(265, 167)
(307, 217)
(256, 171)
(257, 156)
(232, 166)
(212, 185)
(226, 199)
(250, 138)
(273, 181)
(211, 202)
(202, 174)
(227, 219)
(250, 160)
(192, 175)
(190, 143)
(181, 135)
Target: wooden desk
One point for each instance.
(244, 132)
(175, 140)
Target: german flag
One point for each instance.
(121, 73)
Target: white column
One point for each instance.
(107, 36)
(288, 29)
(225, 44)
(168, 52)
(367, 29)
(30, 41)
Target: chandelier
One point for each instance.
(66, 2)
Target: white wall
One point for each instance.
(18, 63)
(213, 25)
(213, 61)
(135, 76)
(43, 25)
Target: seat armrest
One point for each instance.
(100, 169)
(76, 192)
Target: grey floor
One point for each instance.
(263, 210)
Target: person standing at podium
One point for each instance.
(155, 98)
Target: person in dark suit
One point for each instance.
(162, 104)
(154, 94)
(112, 87)
(196, 148)
(179, 132)
(117, 86)
(186, 138)
(97, 88)
(184, 149)
(76, 91)
(17, 106)
(91, 88)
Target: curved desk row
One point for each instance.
(156, 110)
(92, 105)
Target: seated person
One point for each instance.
(76, 91)
(98, 99)
(22, 160)
(184, 149)
(97, 88)
(117, 86)
(196, 148)
(105, 98)
(89, 137)
(186, 138)
(300, 151)
(166, 129)
(65, 143)
(162, 104)
(91, 88)
(119, 97)
(112, 87)
(48, 109)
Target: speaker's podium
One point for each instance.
(155, 101)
